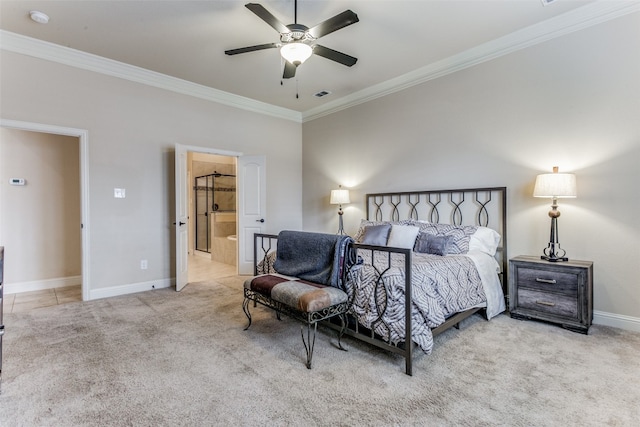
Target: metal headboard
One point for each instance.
(485, 207)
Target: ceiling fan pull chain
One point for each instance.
(281, 65)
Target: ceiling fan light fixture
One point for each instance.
(296, 52)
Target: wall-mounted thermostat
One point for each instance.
(17, 181)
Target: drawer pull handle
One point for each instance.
(550, 281)
(547, 303)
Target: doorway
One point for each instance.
(69, 146)
(212, 238)
(250, 212)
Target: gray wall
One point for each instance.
(572, 102)
(132, 131)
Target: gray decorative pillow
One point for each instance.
(434, 245)
(376, 234)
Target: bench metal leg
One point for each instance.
(343, 322)
(245, 308)
(311, 339)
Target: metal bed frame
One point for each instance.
(485, 207)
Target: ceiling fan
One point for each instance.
(297, 41)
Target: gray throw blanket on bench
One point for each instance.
(316, 257)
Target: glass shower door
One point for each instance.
(203, 200)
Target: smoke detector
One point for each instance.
(39, 17)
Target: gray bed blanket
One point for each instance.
(317, 257)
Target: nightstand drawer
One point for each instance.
(548, 281)
(540, 301)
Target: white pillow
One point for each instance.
(485, 240)
(403, 236)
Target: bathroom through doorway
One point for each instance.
(212, 206)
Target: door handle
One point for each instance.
(180, 223)
(260, 220)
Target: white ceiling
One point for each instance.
(187, 39)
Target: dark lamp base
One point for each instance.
(554, 259)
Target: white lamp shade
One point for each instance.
(555, 185)
(340, 197)
(296, 52)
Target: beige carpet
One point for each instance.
(163, 358)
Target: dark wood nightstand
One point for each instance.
(557, 292)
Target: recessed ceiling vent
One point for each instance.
(322, 93)
(547, 2)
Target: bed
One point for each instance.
(426, 260)
(442, 290)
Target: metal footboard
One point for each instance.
(368, 335)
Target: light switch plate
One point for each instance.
(17, 181)
(119, 193)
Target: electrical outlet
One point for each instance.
(143, 264)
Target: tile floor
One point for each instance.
(201, 268)
(25, 301)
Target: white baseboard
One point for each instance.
(131, 288)
(39, 285)
(616, 320)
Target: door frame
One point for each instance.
(83, 140)
(191, 149)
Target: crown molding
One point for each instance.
(575, 20)
(64, 55)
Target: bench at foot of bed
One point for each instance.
(300, 299)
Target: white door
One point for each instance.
(251, 196)
(182, 218)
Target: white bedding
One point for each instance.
(488, 269)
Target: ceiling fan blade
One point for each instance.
(334, 55)
(267, 17)
(289, 70)
(333, 24)
(251, 48)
